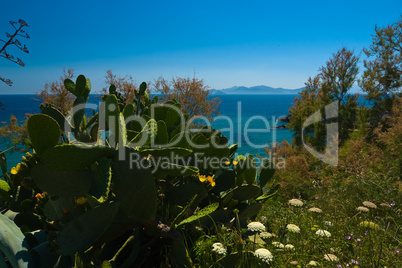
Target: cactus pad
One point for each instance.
(71, 157)
(61, 183)
(44, 132)
(134, 187)
(85, 229)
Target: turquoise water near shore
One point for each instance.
(244, 119)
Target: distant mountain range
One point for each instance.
(256, 90)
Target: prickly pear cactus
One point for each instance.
(127, 202)
(44, 132)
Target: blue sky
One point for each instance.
(226, 43)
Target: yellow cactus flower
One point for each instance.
(202, 178)
(235, 162)
(211, 181)
(81, 201)
(227, 163)
(13, 170)
(16, 169)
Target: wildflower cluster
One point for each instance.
(295, 202)
(293, 228)
(219, 248)
(264, 255)
(256, 226)
(323, 233)
(208, 179)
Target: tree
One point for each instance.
(12, 40)
(191, 93)
(338, 77)
(56, 94)
(382, 77)
(310, 100)
(15, 134)
(332, 84)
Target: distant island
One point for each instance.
(256, 90)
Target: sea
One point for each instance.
(247, 120)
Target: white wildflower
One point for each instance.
(369, 204)
(289, 247)
(293, 228)
(317, 210)
(385, 205)
(363, 209)
(256, 226)
(219, 248)
(266, 235)
(295, 202)
(278, 244)
(264, 254)
(313, 263)
(323, 233)
(330, 257)
(328, 223)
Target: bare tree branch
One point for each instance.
(17, 43)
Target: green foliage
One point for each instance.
(381, 79)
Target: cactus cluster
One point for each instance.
(82, 190)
